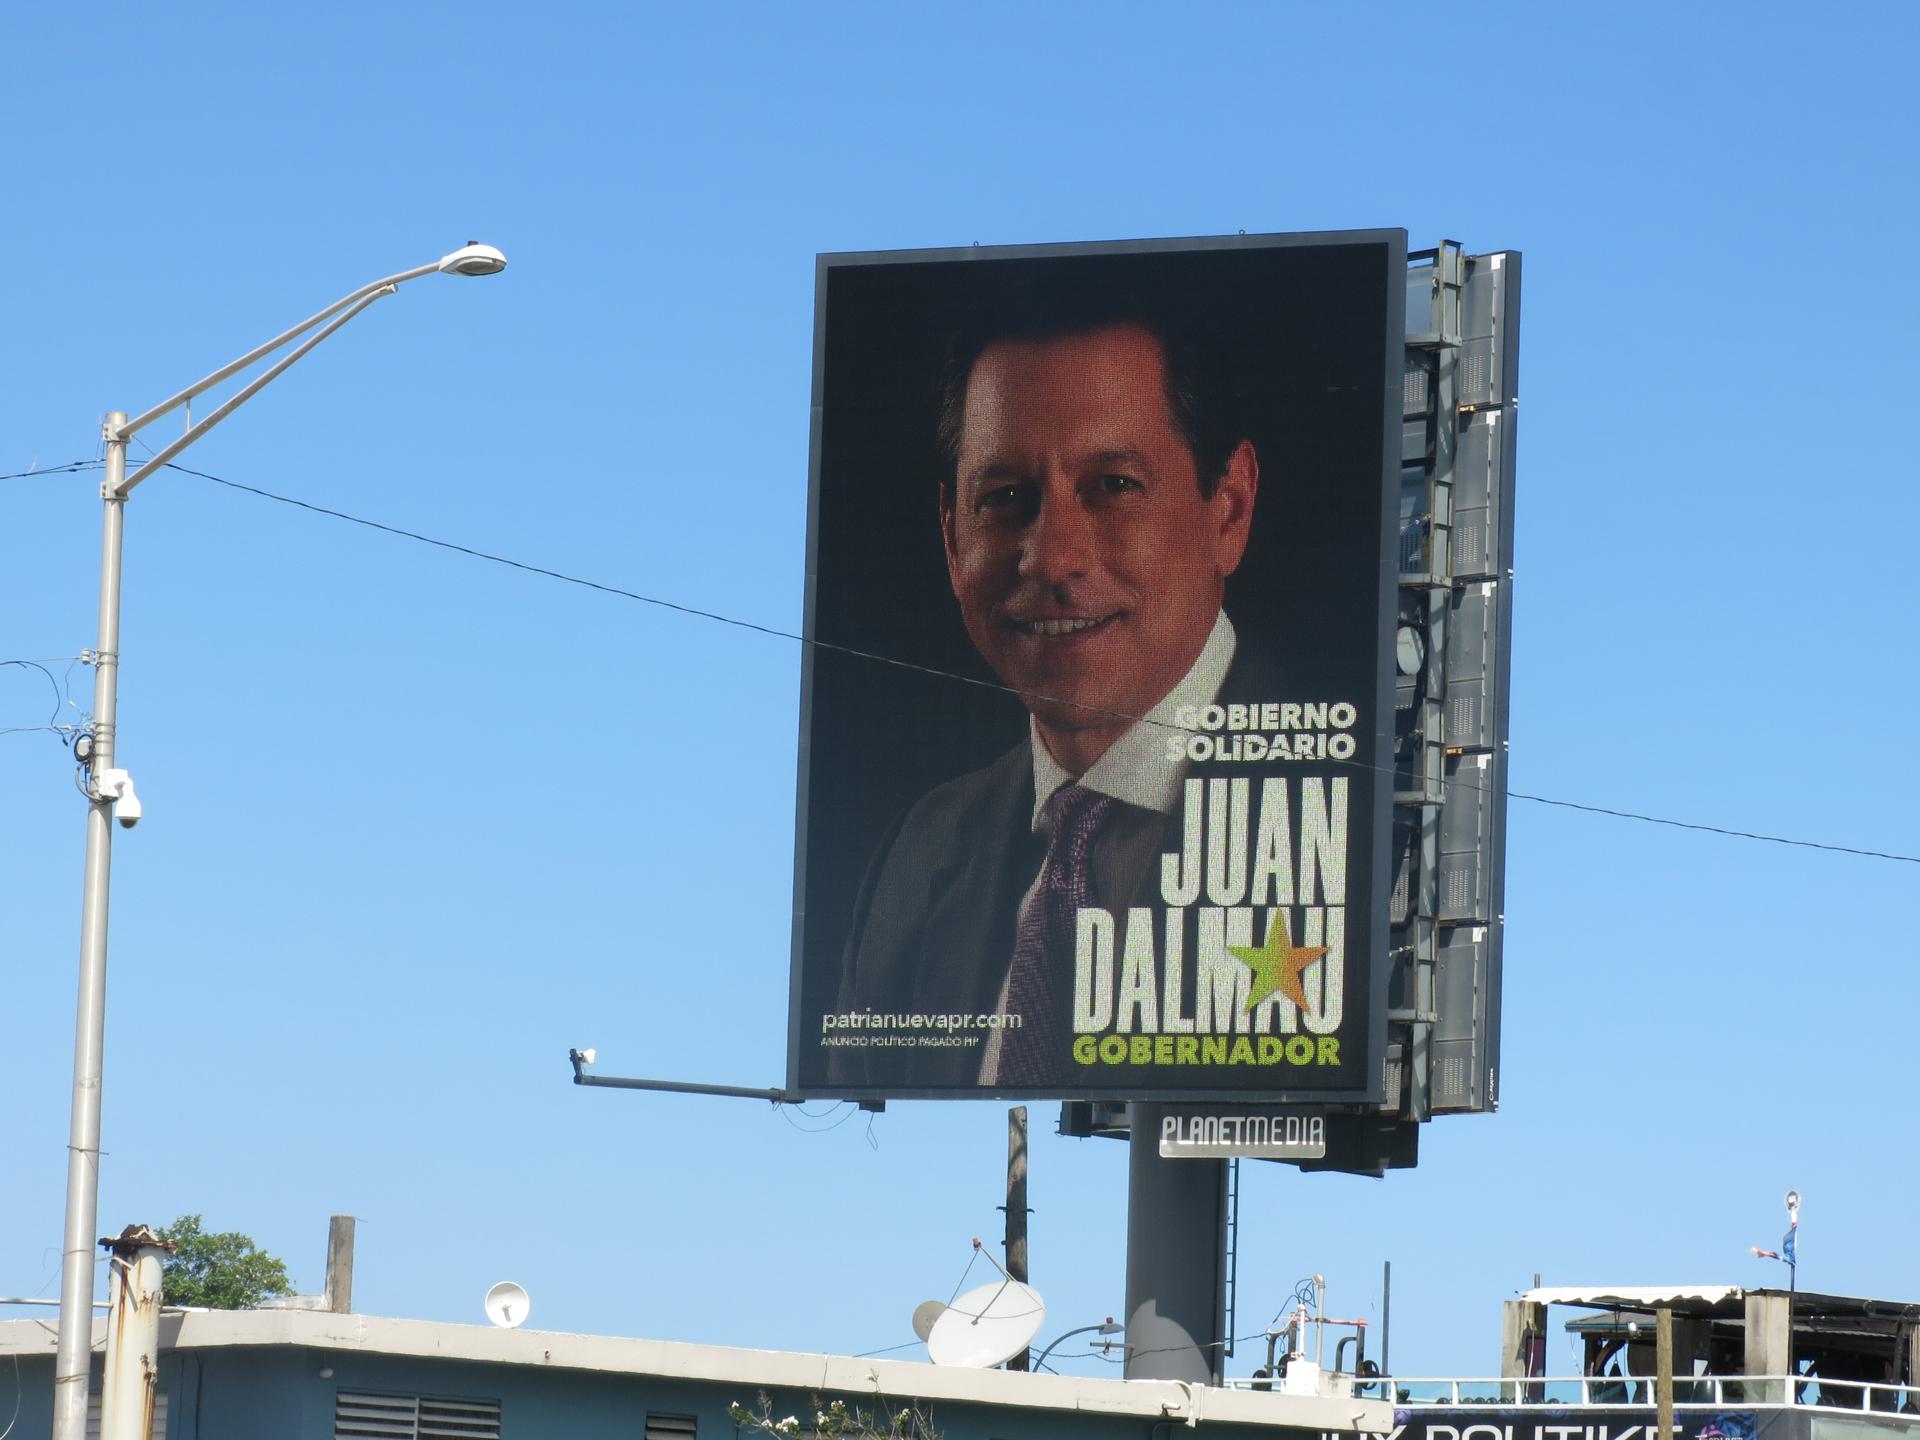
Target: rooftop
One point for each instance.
(201, 1330)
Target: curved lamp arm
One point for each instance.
(1108, 1328)
(471, 259)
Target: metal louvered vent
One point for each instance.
(159, 1427)
(365, 1416)
(459, 1419)
(375, 1415)
(1450, 1081)
(1469, 548)
(671, 1427)
(1463, 718)
(1475, 375)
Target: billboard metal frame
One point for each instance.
(1463, 372)
(1373, 1091)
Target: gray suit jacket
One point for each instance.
(933, 927)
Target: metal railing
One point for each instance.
(1718, 1391)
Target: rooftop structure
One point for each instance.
(321, 1375)
(1744, 1364)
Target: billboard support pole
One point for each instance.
(1176, 1259)
(580, 1059)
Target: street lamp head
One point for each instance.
(473, 258)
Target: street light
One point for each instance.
(110, 793)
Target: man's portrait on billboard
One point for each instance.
(1092, 830)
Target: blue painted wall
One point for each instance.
(278, 1393)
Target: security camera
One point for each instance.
(117, 786)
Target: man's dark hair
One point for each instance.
(1200, 395)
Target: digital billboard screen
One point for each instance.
(1095, 764)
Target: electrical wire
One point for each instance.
(52, 683)
(845, 1106)
(663, 604)
(15, 1418)
(1024, 696)
(61, 699)
(71, 467)
(1130, 1352)
(1714, 829)
(803, 1112)
(1305, 1292)
(860, 1355)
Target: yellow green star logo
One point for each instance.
(1277, 965)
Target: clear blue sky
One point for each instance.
(416, 824)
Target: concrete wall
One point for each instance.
(1769, 1342)
(278, 1393)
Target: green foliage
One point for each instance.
(226, 1271)
(837, 1420)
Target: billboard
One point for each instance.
(1097, 714)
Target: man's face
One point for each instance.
(1087, 566)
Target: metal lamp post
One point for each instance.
(110, 792)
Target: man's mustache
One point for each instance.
(1030, 603)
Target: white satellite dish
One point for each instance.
(507, 1305)
(924, 1314)
(987, 1326)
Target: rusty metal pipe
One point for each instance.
(132, 1374)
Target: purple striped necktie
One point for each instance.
(1040, 984)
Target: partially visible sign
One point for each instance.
(1444, 1422)
(1197, 1133)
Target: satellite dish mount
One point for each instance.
(989, 1325)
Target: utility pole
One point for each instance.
(75, 1341)
(1016, 1208)
(110, 796)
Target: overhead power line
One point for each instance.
(67, 469)
(1713, 829)
(779, 634)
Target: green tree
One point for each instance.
(225, 1271)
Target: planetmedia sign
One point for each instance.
(1202, 1135)
(1096, 762)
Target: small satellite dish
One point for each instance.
(924, 1314)
(507, 1305)
(987, 1326)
